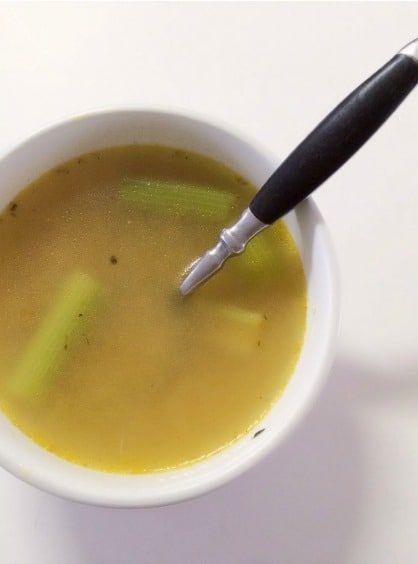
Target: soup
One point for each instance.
(102, 361)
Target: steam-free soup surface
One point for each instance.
(146, 380)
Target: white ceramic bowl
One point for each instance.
(96, 130)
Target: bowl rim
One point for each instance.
(191, 490)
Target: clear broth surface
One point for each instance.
(157, 381)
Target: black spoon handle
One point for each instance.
(338, 136)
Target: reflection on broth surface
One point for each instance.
(102, 361)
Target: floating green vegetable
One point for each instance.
(240, 316)
(260, 257)
(179, 199)
(237, 329)
(47, 349)
(240, 328)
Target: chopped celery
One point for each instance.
(236, 329)
(47, 348)
(178, 198)
(261, 257)
(241, 328)
(241, 316)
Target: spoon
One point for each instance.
(319, 155)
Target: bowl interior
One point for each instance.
(102, 129)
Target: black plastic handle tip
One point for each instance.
(336, 138)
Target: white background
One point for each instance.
(344, 488)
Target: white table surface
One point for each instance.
(344, 488)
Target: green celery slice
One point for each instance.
(179, 199)
(261, 258)
(48, 347)
(241, 329)
(236, 329)
(241, 316)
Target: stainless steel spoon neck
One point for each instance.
(237, 236)
(231, 242)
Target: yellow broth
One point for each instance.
(155, 381)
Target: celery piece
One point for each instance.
(234, 328)
(48, 347)
(260, 260)
(259, 257)
(239, 315)
(179, 199)
(240, 329)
